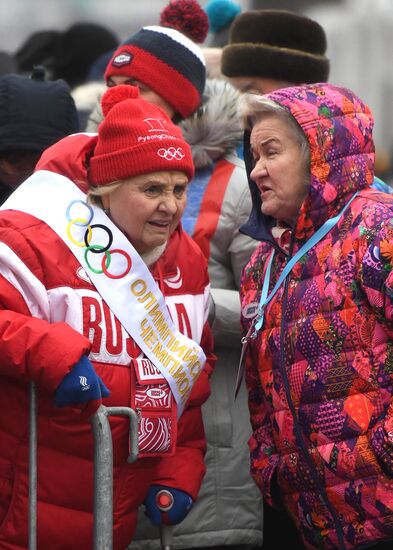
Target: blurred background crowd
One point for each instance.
(359, 33)
(83, 46)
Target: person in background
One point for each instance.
(272, 49)
(221, 14)
(317, 316)
(67, 54)
(165, 63)
(34, 114)
(70, 330)
(218, 194)
(228, 513)
(36, 49)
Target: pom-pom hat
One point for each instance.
(136, 138)
(276, 44)
(188, 17)
(220, 14)
(166, 61)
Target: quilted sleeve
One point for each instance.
(377, 283)
(263, 454)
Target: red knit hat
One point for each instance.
(136, 138)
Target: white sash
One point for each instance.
(117, 271)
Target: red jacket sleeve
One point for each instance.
(31, 347)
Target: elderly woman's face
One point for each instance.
(280, 170)
(147, 208)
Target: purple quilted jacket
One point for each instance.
(320, 372)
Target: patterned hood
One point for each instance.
(338, 126)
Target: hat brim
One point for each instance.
(263, 60)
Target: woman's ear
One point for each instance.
(105, 203)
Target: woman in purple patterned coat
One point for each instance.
(317, 314)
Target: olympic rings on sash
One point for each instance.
(95, 248)
(89, 208)
(88, 238)
(120, 275)
(79, 221)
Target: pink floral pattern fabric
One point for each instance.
(320, 372)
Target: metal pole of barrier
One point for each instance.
(103, 470)
(166, 537)
(33, 468)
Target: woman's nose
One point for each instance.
(259, 170)
(169, 204)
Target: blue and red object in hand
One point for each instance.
(165, 505)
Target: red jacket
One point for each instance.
(50, 316)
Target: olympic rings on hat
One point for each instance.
(102, 248)
(95, 248)
(171, 153)
(120, 275)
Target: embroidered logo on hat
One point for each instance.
(171, 153)
(156, 124)
(123, 58)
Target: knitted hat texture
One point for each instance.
(166, 61)
(34, 113)
(136, 138)
(188, 17)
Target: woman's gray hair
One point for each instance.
(95, 192)
(252, 107)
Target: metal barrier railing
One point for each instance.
(33, 468)
(103, 474)
(103, 470)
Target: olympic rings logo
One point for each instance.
(85, 221)
(171, 153)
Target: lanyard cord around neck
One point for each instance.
(314, 239)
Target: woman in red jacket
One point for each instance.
(103, 299)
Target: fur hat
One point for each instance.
(166, 61)
(136, 138)
(276, 44)
(34, 113)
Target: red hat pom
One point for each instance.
(115, 95)
(187, 17)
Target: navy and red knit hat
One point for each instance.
(166, 61)
(136, 137)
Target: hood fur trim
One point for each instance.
(215, 129)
